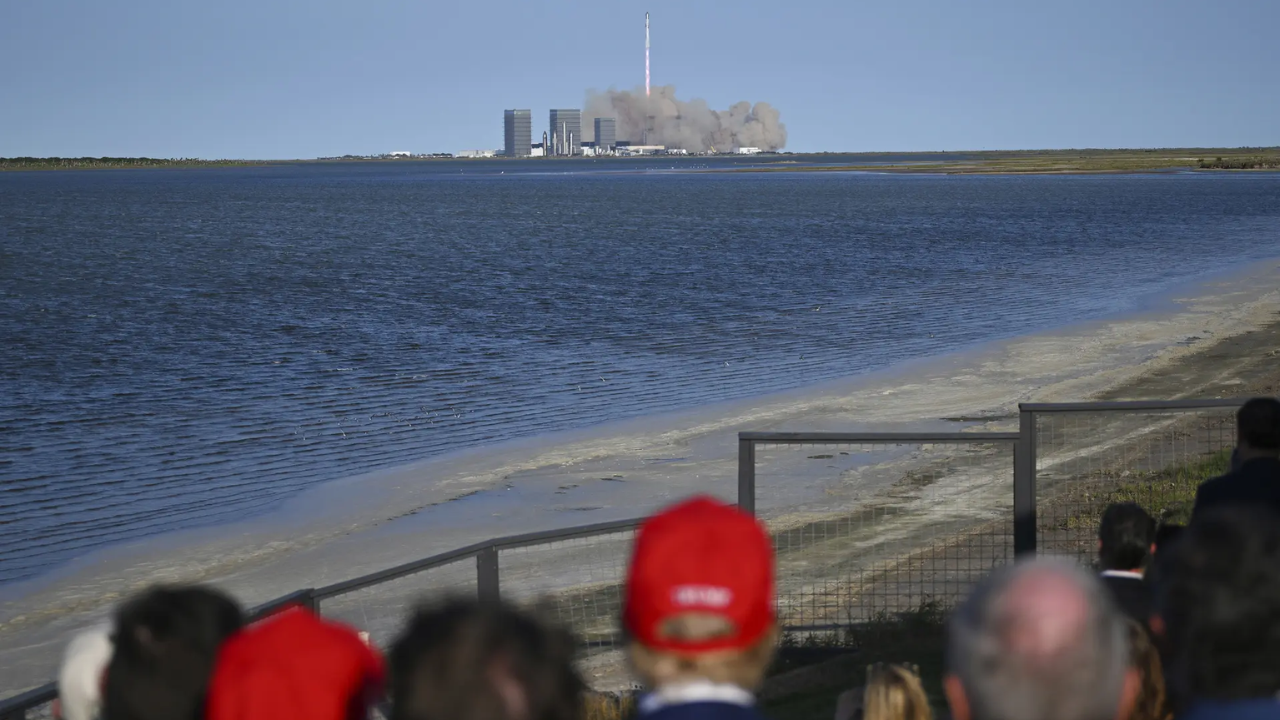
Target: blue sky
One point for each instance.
(294, 79)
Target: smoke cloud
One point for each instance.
(689, 125)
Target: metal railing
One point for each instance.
(899, 519)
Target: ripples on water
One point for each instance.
(188, 347)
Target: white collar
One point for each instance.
(1122, 574)
(696, 691)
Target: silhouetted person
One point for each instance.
(1167, 534)
(1126, 539)
(164, 647)
(1217, 606)
(466, 660)
(1039, 640)
(1256, 481)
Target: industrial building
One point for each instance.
(517, 129)
(628, 149)
(566, 132)
(606, 134)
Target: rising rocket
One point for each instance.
(646, 54)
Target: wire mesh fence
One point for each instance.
(873, 528)
(577, 583)
(382, 610)
(1087, 460)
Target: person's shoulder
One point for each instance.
(1214, 487)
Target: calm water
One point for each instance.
(188, 347)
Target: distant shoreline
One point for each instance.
(982, 162)
(28, 164)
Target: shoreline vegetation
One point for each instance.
(995, 162)
(1057, 162)
(98, 163)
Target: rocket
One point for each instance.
(646, 54)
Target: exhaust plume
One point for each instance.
(663, 119)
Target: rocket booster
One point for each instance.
(646, 54)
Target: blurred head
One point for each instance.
(894, 692)
(1039, 640)
(465, 660)
(80, 678)
(1258, 429)
(165, 643)
(1150, 703)
(1217, 601)
(1167, 534)
(1125, 536)
(295, 665)
(699, 599)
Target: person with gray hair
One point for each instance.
(1039, 640)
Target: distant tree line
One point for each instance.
(49, 163)
(1241, 163)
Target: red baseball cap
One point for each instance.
(700, 556)
(294, 666)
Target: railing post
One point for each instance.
(488, 588)
(1024, 486)
(747, 475)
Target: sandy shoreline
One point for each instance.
(364, 524)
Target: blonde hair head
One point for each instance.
(894, 692)
(1151, 703)
(745, 668)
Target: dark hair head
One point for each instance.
(1126, 534)
(1218, 595)
(1258, 424)
(466, 660)
(166, 641)
(1167, 534)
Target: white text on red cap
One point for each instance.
(701, 596)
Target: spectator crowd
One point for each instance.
(1177, 622)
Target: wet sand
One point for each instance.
(1216, 343)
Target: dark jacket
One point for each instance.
(1132, 596)
(1264, 709)
(1256, 483)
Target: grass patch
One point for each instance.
(1168, 494)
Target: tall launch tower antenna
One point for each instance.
(646, 54)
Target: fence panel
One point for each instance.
(868, 529)
(577, 582)
(1086, 460)
(383, 609)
